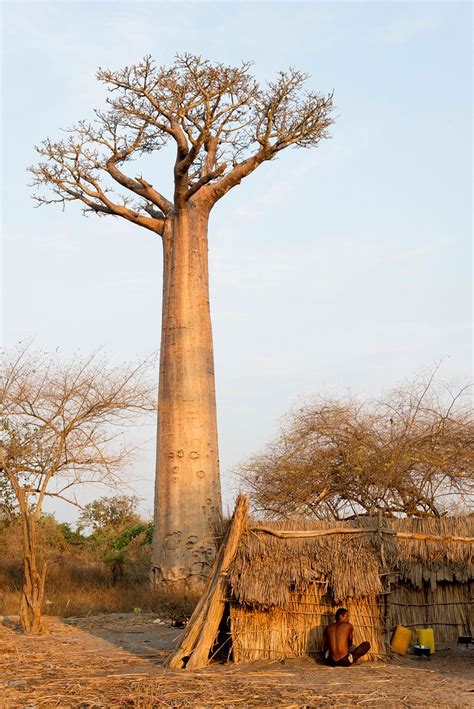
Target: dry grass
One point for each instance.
(93, 600)
(79, 583)
(92, 665)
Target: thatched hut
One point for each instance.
(275, 586)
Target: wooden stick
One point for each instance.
(295, 534)
(434, 537)
(290, 534)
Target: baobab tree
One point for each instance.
(223, 125)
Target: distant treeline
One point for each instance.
(100, 565)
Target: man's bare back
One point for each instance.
(339, 638)
(337, 641)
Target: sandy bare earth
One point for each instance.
(116, 661)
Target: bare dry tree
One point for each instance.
(411, 453)
(223, 126)
(62, 425)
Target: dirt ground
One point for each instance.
(117, 661)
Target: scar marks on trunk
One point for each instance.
(192, 539)
(173, 540)
(175, 468)
(193, 455)
(209, 510)
(205, 554)
(202, 551)
(180, 454)
(175, 471)
(186, 469)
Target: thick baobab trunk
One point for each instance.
(33, 581)
(188, 498)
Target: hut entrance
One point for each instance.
(222, 649)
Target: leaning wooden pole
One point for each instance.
(198, 637)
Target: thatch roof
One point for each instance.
(268, 568)
(433, 560)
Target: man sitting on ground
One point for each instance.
(337, 642)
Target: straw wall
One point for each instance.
(448, 609)
(297, 629)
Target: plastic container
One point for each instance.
(401, 639)
(425, 636)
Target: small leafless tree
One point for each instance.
(62, 425)
(411, 453)
(222, 125)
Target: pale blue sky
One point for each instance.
(345, 267)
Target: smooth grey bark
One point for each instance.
(187, 495)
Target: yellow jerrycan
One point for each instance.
(401, 639)
(425, 636)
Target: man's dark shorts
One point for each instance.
(351, 657)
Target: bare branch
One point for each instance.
(223, 124)
(404, 454)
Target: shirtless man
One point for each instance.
(337, 642)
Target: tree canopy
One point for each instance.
(220, 121)
(8, 504)
(110, 513)
(409, 453)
